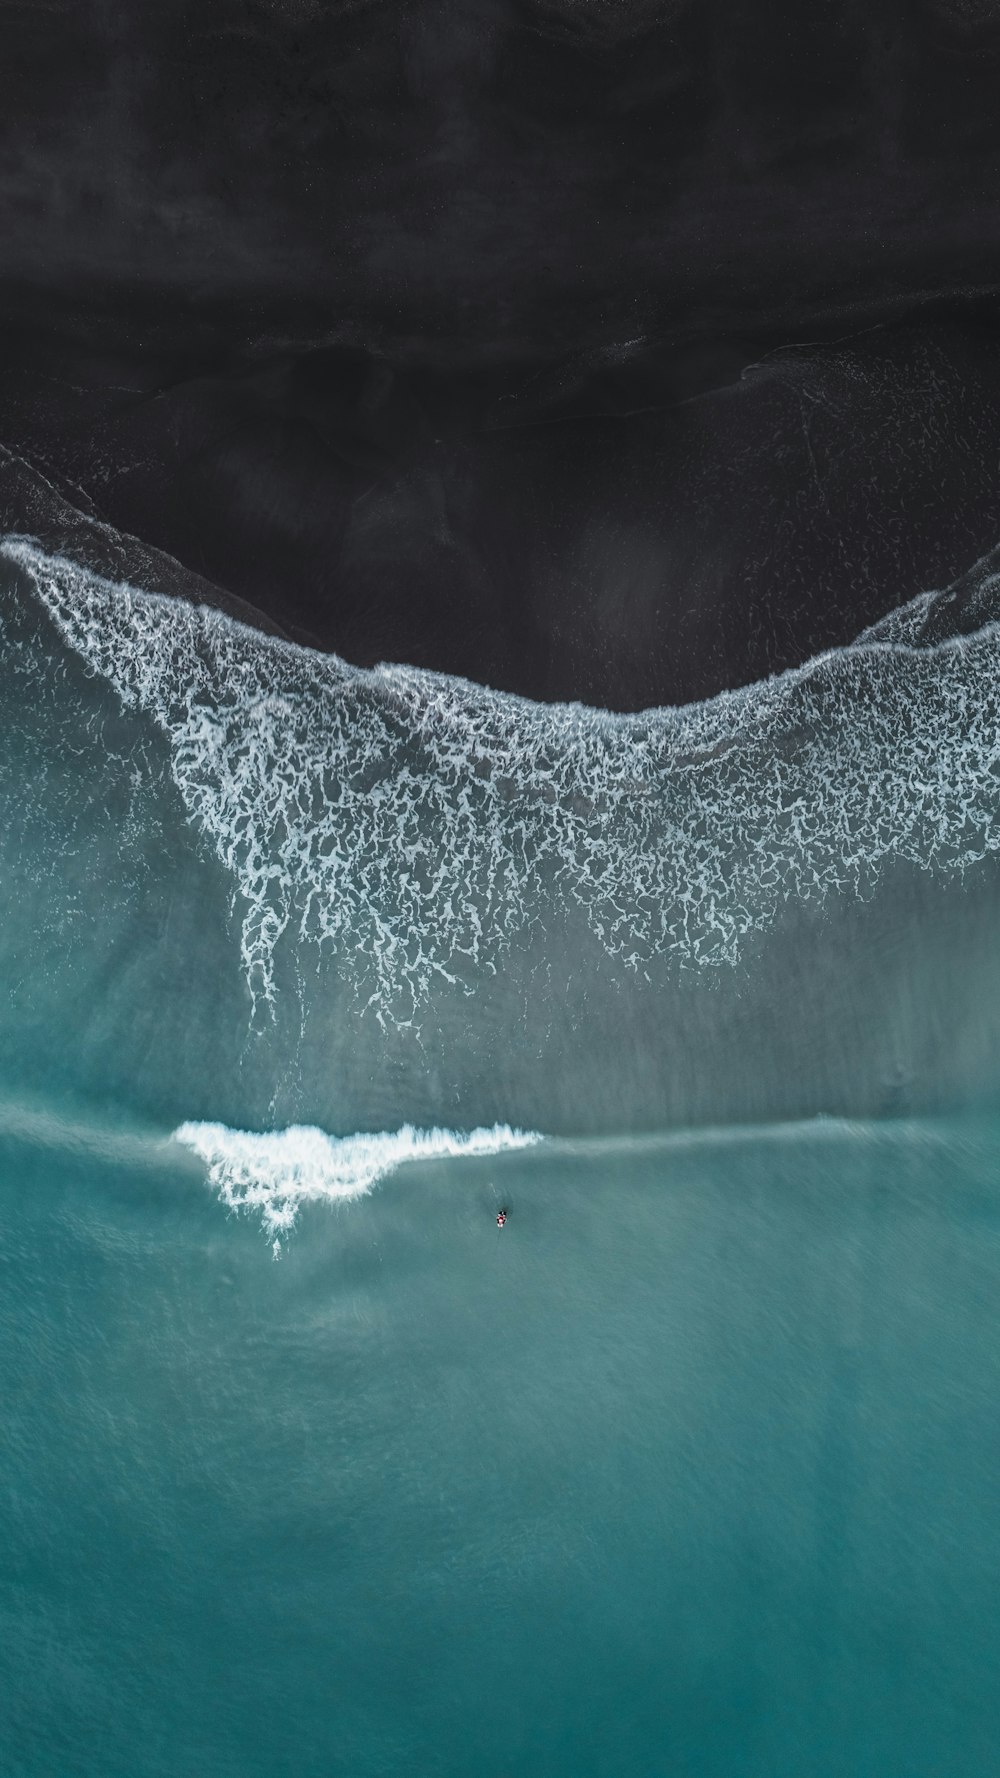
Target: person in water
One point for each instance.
(501, 1218)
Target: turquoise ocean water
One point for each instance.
(309, 1469)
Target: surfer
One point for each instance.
(501, 1218)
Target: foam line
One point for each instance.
(274, 1172)
(416, 826)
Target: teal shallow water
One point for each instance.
(692, 1470)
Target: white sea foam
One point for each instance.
(416, 825)
(273, 1172)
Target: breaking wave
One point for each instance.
(416, 826)
(274, 1172)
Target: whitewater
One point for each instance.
(274, 1172)
(419, 826)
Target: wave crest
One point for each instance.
(274, 1172)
